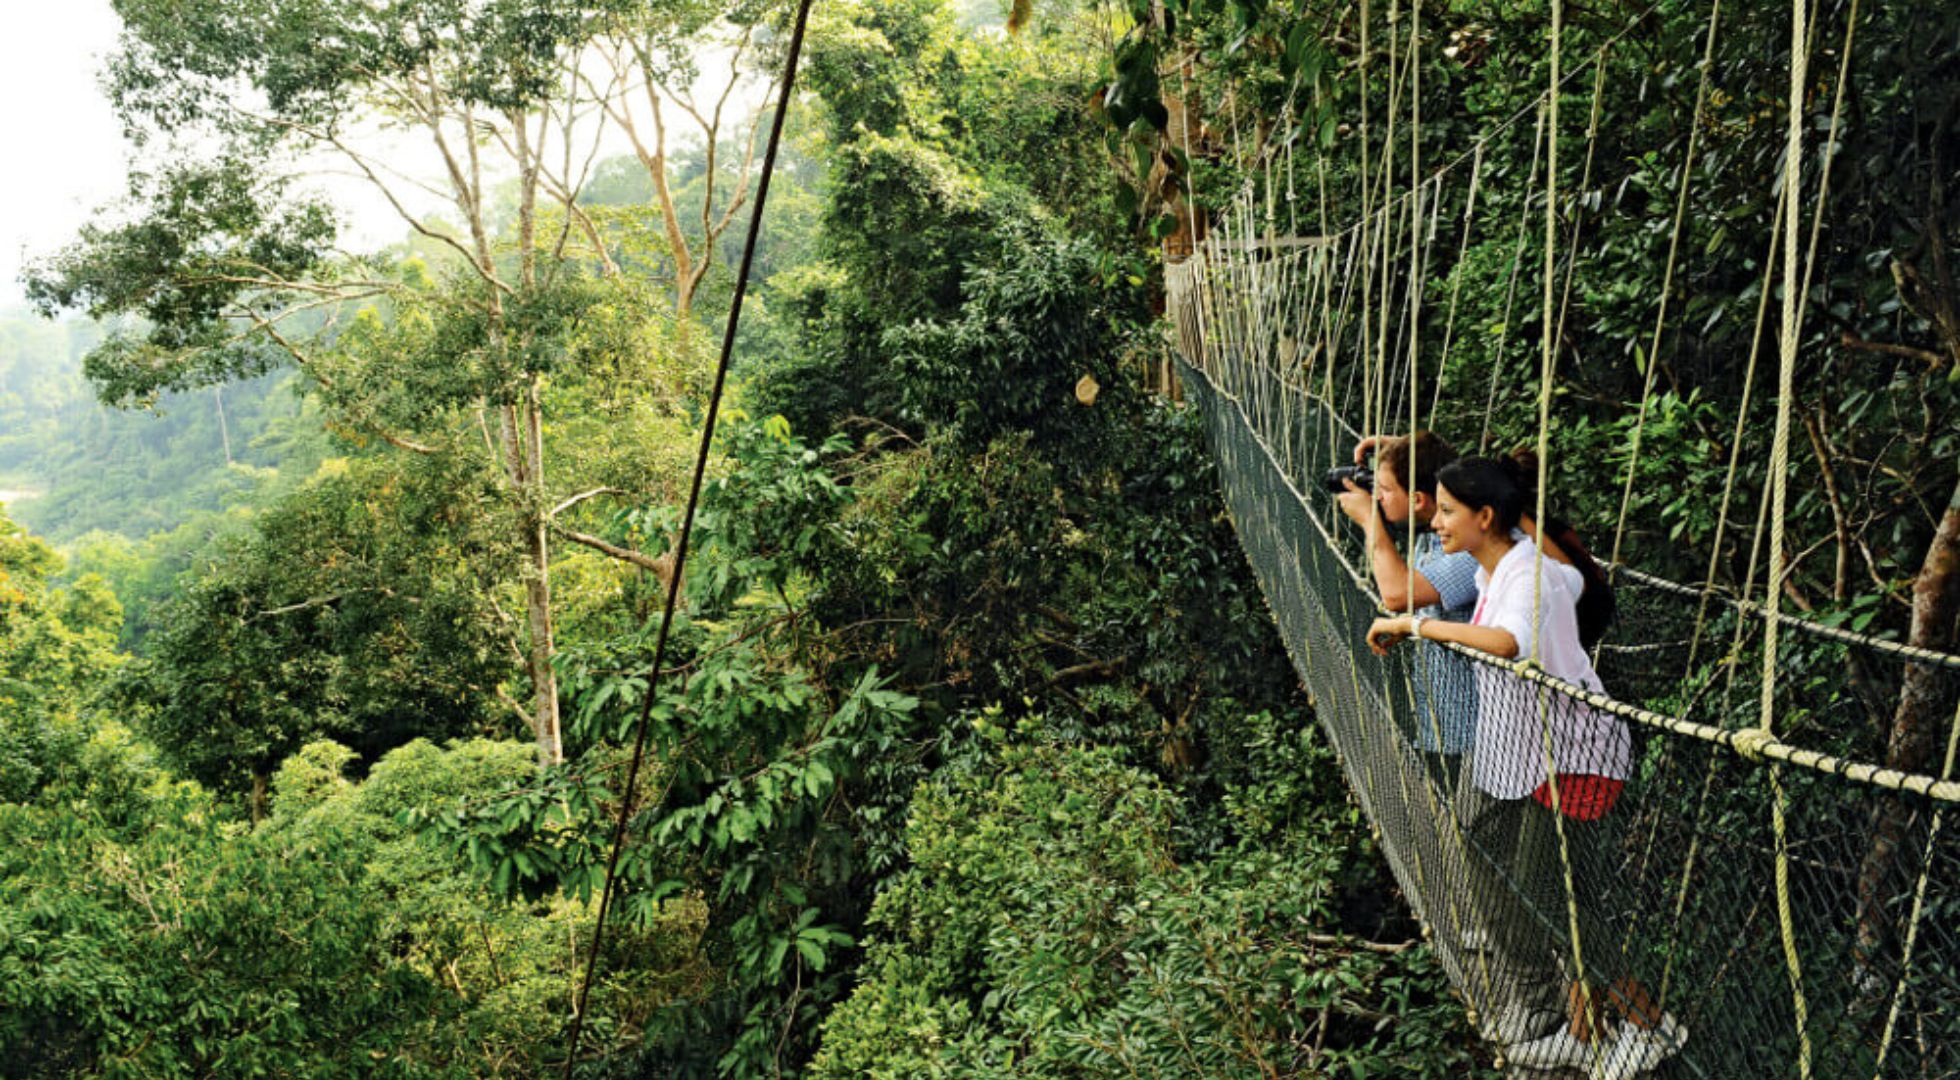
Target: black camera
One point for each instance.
(1339, 474)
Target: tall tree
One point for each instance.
(232, 262)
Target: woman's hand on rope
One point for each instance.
(1384, 633)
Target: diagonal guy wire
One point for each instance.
(687, 528)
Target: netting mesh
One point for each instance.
(1666, 903)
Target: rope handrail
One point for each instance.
(1887, 646)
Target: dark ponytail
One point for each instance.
(1522, 464)
(1480, 482)
(1596, 608)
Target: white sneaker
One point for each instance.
(1559, 1050)
(1640, 1050)
(1515, 1023)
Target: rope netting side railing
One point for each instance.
(1675, 883)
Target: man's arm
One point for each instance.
(1392, 574)
(1390, 569)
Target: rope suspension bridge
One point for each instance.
(1763, 897)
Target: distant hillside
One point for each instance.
(70, 465)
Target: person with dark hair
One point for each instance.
(1550, 768)
(1430, 583)
(1559, 540)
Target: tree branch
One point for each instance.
(1334, 941)
(326, 382)
(388, 192)
(1926, 356)
(530, 722)
(1095, 669)
(303, 605)
(741, 195)
(581, 497)
(1841, 573)
(327, 600)
(637, 558)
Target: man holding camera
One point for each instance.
(1441, 586)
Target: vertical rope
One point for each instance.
(1918, 906)
(1667, 284)
(1708, 585)
(1415, 278)
(1735, 445)
(1548, 356)
(1830, 154)
(1779, 462)
(1456, 283)
(1376, 359)
(1511, 288)
(1366, 229)
(1578, 204)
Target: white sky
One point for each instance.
(64, 146)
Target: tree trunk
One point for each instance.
(1918, 729)
(224, 430)
(537, 603)
(522, 449)
(259, 796)
(537, 586)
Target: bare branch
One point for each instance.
(1852, 341)
(303, 605)
(1094, 669)
(656, 166)
(523, 714)
(1841, 525)
(510, 630)
(639, 559)
(713, 131)
(297, 309)
(373, 175)
(1343, 942)
(581, 497)
(355, 290)
(567, 189)
(741, 196)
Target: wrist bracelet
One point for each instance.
(1415, 625)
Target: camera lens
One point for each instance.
(1340, 474)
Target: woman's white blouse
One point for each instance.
(1508, 758)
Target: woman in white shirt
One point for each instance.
(1526, 735)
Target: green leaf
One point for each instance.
(812, 953)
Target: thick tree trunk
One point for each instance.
(522, 438)
(537, 586)
(544, 679)
(1919, 727)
